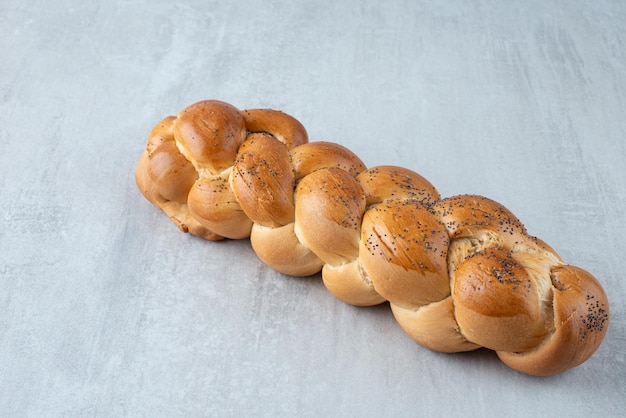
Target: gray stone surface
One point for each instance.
(106, 309)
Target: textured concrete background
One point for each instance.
(106, 309)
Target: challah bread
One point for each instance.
(459, 273)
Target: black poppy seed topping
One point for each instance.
(505, 270)
(417, 238)
(219, 185)
(594, 319)
(346, 196)
(558, 285)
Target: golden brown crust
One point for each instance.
(329, 206)
(386, 183)
(581, 318)
(403, 249)
(263, 182)
(280, 249)
(463, 215)
(172, 174)
(162, 132)
(434, 326)
(177, 212)
(212, 202)
(281, 126)
(459, 272)
(497, 304)
(209, 133)
(314, 156)
(349, 283)
(189, 157)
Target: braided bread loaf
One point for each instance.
(459, 273)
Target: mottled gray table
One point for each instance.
(106, 309)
